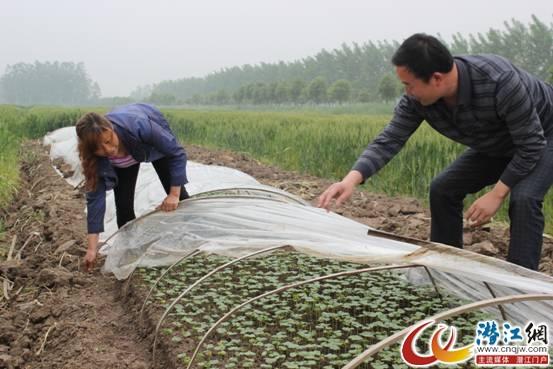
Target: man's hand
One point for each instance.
(170, 203)
(485, 207)
(341, 191)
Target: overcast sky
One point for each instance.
(126, 43)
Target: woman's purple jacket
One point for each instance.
(146, 135)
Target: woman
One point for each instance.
(111, 148)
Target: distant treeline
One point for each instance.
(350, 73)
(48, 83)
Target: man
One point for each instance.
(505, 117)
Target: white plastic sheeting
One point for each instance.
(239, 216)
(235, 227)
(63, 145)
(149, 192)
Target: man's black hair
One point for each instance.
(423, 55)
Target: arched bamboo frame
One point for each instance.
(190, 254)
(441, 316)
(433, 281)
(501, 310)
(290, 197)
(213, 271)
(284, 288)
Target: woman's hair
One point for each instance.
(89, 128)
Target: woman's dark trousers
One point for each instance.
(124, 191)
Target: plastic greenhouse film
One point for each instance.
(236, 220)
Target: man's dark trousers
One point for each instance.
(471, 172)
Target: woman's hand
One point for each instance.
(170, 203)
(90, 260)
(91, 252)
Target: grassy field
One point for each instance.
(377, 108)
(327, 145)
(320, 143)
(17, 124)
(9, 143)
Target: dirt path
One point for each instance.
(59, 317)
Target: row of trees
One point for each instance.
(368, 64)
(54, 83)
(364, 67)
(297, 91)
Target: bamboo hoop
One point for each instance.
(440, 316)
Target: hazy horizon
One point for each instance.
(126, 44)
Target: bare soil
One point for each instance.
(58, 316)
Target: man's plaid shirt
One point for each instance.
(501, 111)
